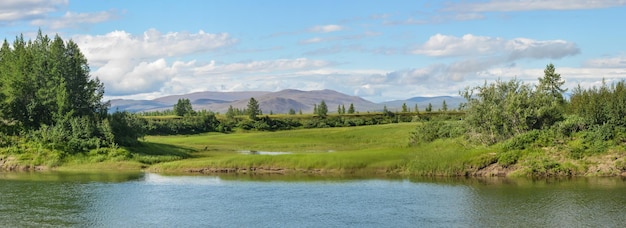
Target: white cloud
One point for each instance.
(609, 62)
(120, 45)
(470, 45)
(528, 5)
(326, 28)
(273, 66)
(71, 19)
(340, 38)
(12, 10)
(130, 64)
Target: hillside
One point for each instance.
(279, 102)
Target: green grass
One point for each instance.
(368, 149)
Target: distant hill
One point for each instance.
(279, 102)
(137, 105)
(216, 96)
(282, 101)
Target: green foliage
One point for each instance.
(501, 110)
(183, 107)
(199, 123)
(432, 130)
(322, 110)
(351, 109)
(571, 125)
(508, 157)
(253, 109)
(429, 108)
(522, 141)
(126, 128)
(604, 105)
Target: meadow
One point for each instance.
(378, 149)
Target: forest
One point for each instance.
(50, 102)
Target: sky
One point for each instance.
(378, 50)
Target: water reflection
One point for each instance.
(154, 200)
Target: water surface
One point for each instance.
(153, 200)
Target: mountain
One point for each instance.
(137, 105)
(280, 102)
(216, 96)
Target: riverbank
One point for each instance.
(368, 150)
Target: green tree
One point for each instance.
(343, 109)
(183, 107)
(429, 108)
(501, 110)
(351, 109)
(405, 108)
(416, 109)
(444, 106)
(253, 109)
(551, 83)
(322, 109)
(339, 109)
(292, 111)
(46, 82)
(230, 113)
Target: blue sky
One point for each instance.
(377, 50)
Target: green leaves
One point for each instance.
(501, 110)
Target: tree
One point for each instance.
(351, 109)
(498, 111)
(183, 107)
(339, 109)
(322, 109)
(404, 108)
(429, 108)
(416, 109)
(551, 83)
(47, 82)
(253, 109)
(230, 114)
(292, 111)
(343, 109)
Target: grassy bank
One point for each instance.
(380, 149)
(366, 150)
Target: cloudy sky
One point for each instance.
(379, 50)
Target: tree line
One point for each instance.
(48, 96)
(520, 115)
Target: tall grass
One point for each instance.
(374, 149)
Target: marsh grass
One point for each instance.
(375, 149)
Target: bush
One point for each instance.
(521, 141)
(431, 130)
(571, 125)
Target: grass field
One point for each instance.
(367, 149)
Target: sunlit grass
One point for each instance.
(380, 148)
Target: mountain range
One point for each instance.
(280, 102)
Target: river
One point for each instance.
(58, 199)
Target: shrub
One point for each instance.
(431, 130)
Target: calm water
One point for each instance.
(152, 200)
